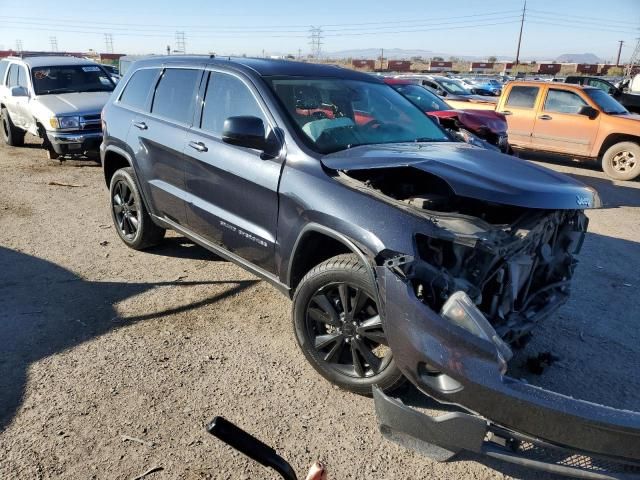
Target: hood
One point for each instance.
(80, 103)
(476, 120)
(474, 173)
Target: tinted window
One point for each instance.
(227, 96)
(175, 94)
(601, 84)
(422, 98)
(3, 70)
(22, 77)
(562, 101)
(522, 96)
(136, 92)
(606, 102)
(12, 81)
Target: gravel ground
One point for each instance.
(99, 343)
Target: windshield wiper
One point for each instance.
(97, 90)
(58, 90)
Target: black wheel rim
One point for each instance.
(125, 210)
(345, 329)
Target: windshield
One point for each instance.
(453, 86)
(422, 98)
(334, 114)
(70, 78)
(606, 102)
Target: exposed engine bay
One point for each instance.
(515, 263)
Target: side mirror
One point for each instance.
(244, 131)
(19, 91)
(588, 111)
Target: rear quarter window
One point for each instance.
(137, 90)
(522, 96)
(175, 95)
(3, 70)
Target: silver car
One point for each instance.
(56, 98)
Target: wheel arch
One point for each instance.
(315, 244)
(114, 159)
(614, 138)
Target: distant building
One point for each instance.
(587, 68)
(481, 67)
(363, 64)
(399, 65)
(434, 66)
(549, 68)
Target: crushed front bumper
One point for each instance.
(69, 143)
(455, 367)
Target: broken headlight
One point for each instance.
(460, 310)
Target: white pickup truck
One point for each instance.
(56, 98)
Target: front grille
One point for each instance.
(90, 122)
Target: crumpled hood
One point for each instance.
(476, 120)
(474, 172)
(83, 103)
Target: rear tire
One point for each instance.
(130, 217)
(11, 134)
(348, 348)
(622, 161)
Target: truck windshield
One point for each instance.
(334, 114)
(606, 102)
(70, 79)
(453, 86)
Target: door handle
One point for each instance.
(506, 112)
(140, 125)
(199, 146)
(545, 117)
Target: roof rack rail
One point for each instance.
(41, 54)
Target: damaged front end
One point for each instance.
(493, 256)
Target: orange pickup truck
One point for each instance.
(581, 122)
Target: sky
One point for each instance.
(255, 27)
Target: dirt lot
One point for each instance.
(99, 342)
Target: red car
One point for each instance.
(485, 128)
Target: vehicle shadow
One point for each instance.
(45, 309)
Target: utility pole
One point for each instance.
(634, 61)
(619, 52)
(299, 54)
(19, 46)
(54, 43)
(168, 49)
(382, 59)
(181, 45)
(524, 10)
(108, 42)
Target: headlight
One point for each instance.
(460, 310)
(64, 122)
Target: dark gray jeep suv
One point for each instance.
(407, 255)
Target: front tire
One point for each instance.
(622, 161)
(11, 134)
(130, 217)
(339, 329)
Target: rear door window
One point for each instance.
(3, 70)
(522, 96)
(563, 101)
(22, 77)
(137, 90)
(175, 95)
(227, 96)
(12, 81)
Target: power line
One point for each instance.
(108, 42)
(596, 19)
(54, 43)
(269, 28)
